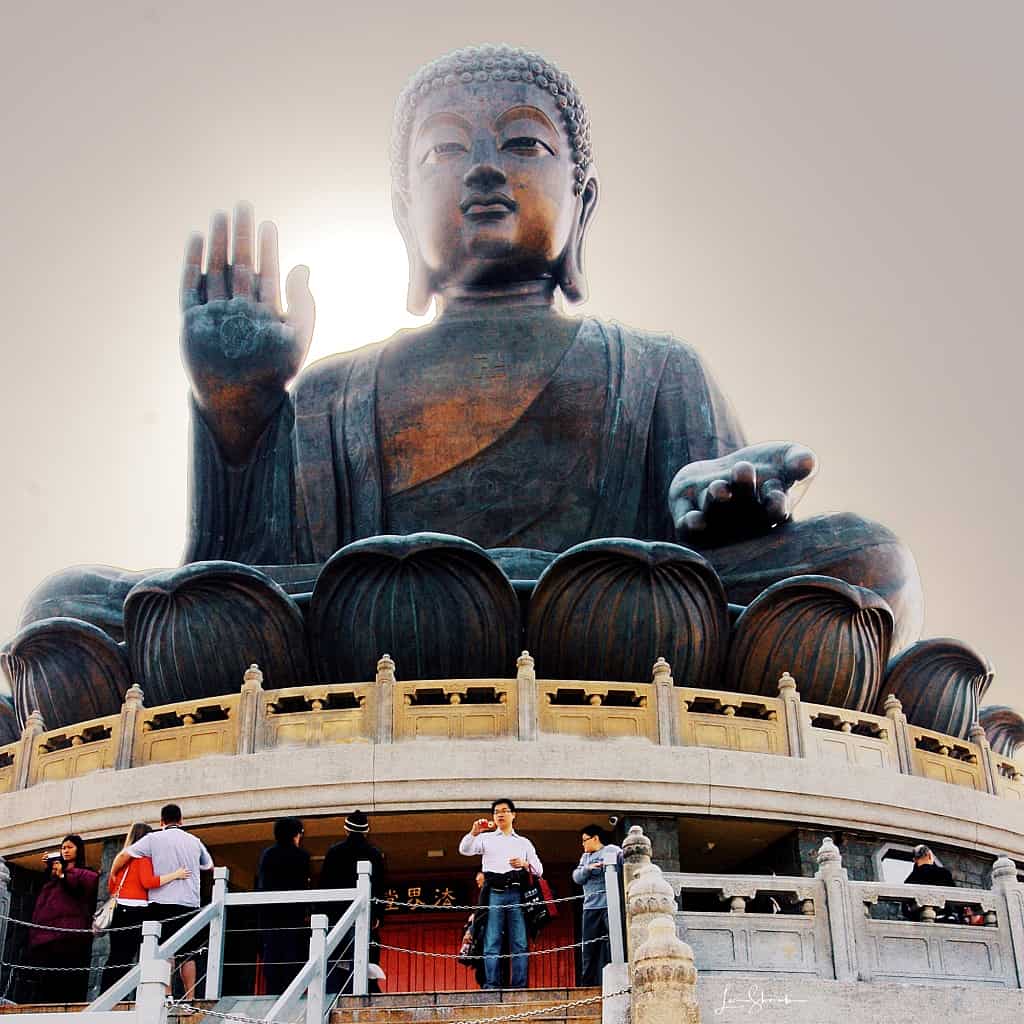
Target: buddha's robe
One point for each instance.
(592, 456)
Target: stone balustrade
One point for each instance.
(385, 710)
(823, 927)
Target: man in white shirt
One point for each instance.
(170, 849)
(506, 858)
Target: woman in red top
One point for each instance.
(131, 888)
(66, 901)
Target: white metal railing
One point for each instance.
(150, 978)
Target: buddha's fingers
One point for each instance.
(192, 272)
(242, 252)
(217, 258)
(301, 308)
(743, 479)
(268, 283)
(774, 501)
(799, 463)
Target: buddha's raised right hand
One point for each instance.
(239, 347)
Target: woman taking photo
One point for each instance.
(66, 900)
(130, 888)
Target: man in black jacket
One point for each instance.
(340, 872)
(283, 866)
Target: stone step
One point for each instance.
(435, 1008)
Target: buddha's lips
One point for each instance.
(487, 205)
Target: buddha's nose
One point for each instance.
(484, 176)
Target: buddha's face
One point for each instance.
(490, 184)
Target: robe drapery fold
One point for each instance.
(592, 456)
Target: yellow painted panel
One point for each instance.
(620, 725)
(340, 730)
(755, 741)
(432, 725)
(162, 751)
(708, 735)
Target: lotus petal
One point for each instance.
(1004, 728)
(940, 683)
(831, 636)
(68, 670)
(437, 604)
(607, 609)
(193, 631)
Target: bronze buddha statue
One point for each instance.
(503, 421)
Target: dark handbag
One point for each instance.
(535, 908)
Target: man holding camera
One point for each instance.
(506, 859)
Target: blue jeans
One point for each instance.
(504, 916)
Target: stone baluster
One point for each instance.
(793, 713)
(664, 977)
(894, 712)
(131, 709)
(34, 726)
(636, 854)
(988, 763)
(5, 912)
(648, 896)
(838, 909)
(250, 710)
(1011, 909)
(385, 680)
(526, 683)
(665, 697)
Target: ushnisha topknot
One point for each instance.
(491, 63)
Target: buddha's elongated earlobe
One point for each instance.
(420, 291)
(571, 278)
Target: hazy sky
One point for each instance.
(824, 198)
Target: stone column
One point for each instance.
(839, 910)
(664, 837)
(154, 979)
(1011, 892)
(5, 912)
(385, 680)
(664, 978)
(988, 764)
(249, 707)
(894, 712)
(794, 716)
(101, 943)
(526, 682)
(131, 708)
(34, 726)
(668, 709)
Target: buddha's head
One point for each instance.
(492, 179)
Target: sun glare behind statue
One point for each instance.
(358, 277)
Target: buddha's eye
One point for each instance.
(526, 144)
(442, 150)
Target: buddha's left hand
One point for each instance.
(741, 494)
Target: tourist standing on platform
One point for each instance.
(130, 888)
(589, 873)
(285, 944)
(171, 849)
(67, 900)
(340, 871)
(506, 858)
(927, 871)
